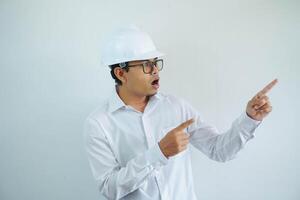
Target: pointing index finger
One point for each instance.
(185, 124)
(268, 87)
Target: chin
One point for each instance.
(153, 93)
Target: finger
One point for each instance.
(182, 148)
(263, 107)
(184, 124)
(267, 88)
(182, 135)
(258, 100)
(268, 109)
(265, 111)
(260, 103)
(184, 142)
(258, 97)
(185, 139)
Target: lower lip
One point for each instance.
(155, 86)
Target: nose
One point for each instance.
(155, 69)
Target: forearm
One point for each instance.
(224, 147)
(117, 182)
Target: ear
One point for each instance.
(120, 74)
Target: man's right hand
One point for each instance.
(176, 140)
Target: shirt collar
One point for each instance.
(115, 102)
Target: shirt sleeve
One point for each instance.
(114, 181)
(220, 146)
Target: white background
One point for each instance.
(219, 54)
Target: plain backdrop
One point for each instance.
(218, 55)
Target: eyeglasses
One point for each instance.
(148, 66)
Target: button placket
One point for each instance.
(151, 141)
(162, 189)
(148, 136)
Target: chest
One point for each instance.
(131, 133)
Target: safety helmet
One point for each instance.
(128, 44)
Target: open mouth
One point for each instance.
(155, 82)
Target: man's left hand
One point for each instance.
(259, 106)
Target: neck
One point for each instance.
(138, 102)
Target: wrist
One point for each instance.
(162, 149)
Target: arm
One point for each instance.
(114, 181)
(222, 147)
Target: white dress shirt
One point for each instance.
(126, 161)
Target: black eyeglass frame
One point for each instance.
(153, 63)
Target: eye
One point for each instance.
(147, 64)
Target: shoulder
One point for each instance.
(92, 125)
(180, 103)
(174, 99)
(98, 113)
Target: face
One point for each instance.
(139, 83)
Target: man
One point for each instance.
(138, 141)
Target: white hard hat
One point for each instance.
(128, 44)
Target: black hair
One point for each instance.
(113, 75)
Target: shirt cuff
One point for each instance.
(247, 123)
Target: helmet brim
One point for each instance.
(146, 56)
